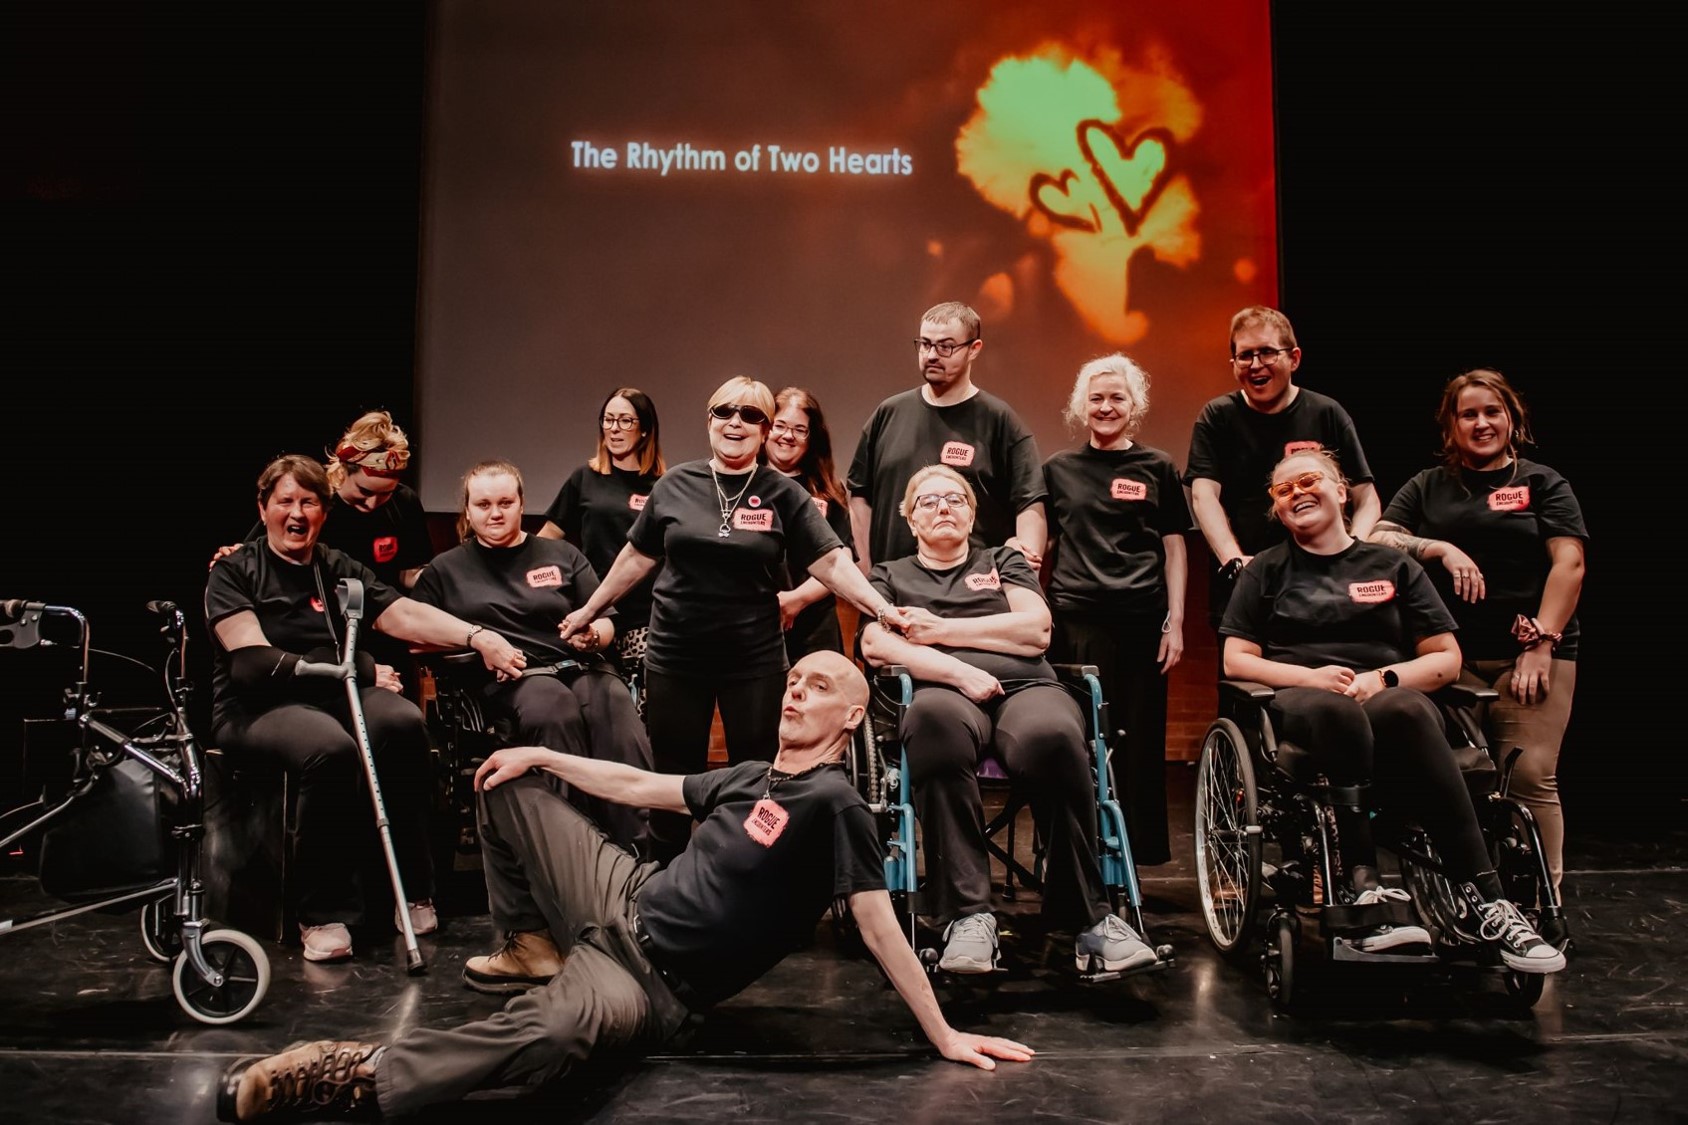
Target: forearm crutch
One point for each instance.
(349, 591)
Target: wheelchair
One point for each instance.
(1265, 840)
(123, 826)
(879, 768)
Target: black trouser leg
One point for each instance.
(1333, 729)
(944, 733)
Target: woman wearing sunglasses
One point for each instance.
(597, 505)
(978, 628)
(724, 530)
(800, 446)
(1353, 635)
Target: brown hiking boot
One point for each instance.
(525, 960)
(325, 1078)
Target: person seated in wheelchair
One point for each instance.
(273, 605)
(1352, 636)
(975, 646)
(569, 697)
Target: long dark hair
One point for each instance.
(649, 448)
(815, 471)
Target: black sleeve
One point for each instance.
(1025, 470)
(1353, 455)
(857, 855)
(646, 535)
(859, 481)
(1425, 614)
(228, 590)
(703, 790)
(1245, 612)
(565, 509)
(1013, 569)
(1203, 460)
(807, 535)
(1407, 507)
(838, 518)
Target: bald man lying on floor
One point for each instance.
(608, 954)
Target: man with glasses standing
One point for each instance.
(947, 421)
(1239, 437)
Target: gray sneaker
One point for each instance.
(1111, 945)
(970, 944)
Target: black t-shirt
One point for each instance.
(389, 541)
(1239, 447)
(1108, 510)
(522, 592)
(715, 607)
(595, 511)
(975, 587)
(1363, 608)
(295, 603)
(754, 880)
(981, 437)
(813, 616)
(1503, 520)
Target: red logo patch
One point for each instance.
(753, 521)
(956, 453)
(1300, 447)
(1123, 489)
(316, 604)
(766, 821)
(1372, 593)
(386, 548)
(1510, 499)
(637, 502)
(991, 581)
(545, 576)
(755, 501)
(820, 505)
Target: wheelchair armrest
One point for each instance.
(446, 657)
(1245, 691)
(1075, 673)
(895, 683)
(1464, 695)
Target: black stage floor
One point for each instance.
(92, 1033)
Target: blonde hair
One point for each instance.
(1136, 390)
(373, 433)
(741, 390)
(485, 469)
(927, 473)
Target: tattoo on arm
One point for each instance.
(1396, 536)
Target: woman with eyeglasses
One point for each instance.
(724, 530)
(800, 446)
(974, 645)
(1117, 518)
(597, 505)
(1508, 534)
(1353, 635)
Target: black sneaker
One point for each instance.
(1504, 925)
(1381, 938)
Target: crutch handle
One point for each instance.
(350, 593)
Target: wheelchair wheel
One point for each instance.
(1227, 837)
(246, 977)
(1280, 960)
(160, 929)
(1524, 989)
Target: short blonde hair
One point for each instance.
(1136, 390)
(374, 432)
(906, 508)
(742, 390)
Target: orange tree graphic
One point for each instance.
(1085, 151)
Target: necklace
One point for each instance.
(727, 506)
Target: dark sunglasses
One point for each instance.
(749, 413)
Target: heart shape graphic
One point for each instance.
(1122, 167)
(1057, 187)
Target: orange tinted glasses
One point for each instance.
(1306, 482)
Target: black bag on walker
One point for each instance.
(112, 839)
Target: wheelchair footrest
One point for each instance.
(1338, 919)
(1163, 961)
(1341, 949)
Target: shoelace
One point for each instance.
(1503, 921)
(971, 926)
(1381, 894)
(325, 1081)
(1113, 926)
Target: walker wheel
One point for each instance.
(245, 969)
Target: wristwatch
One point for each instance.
(1390, 679)
(468, 642)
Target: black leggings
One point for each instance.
(678, 712)
(334, 817)
(1395, 740)
(589, 714)
(1037, 733)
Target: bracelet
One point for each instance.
(880, 614)
(1531, 635)
(469, 641)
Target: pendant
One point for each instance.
(724, 531)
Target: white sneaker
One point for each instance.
(1380, 938)
(970, 944)
(330, 942)
(1517, 942)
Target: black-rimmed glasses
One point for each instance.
(943, 348)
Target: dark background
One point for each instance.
(209, 220)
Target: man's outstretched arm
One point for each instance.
(625, 785)
(885, 940)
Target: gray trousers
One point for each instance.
(547, 868)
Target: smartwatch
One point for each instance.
(1390, 679)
